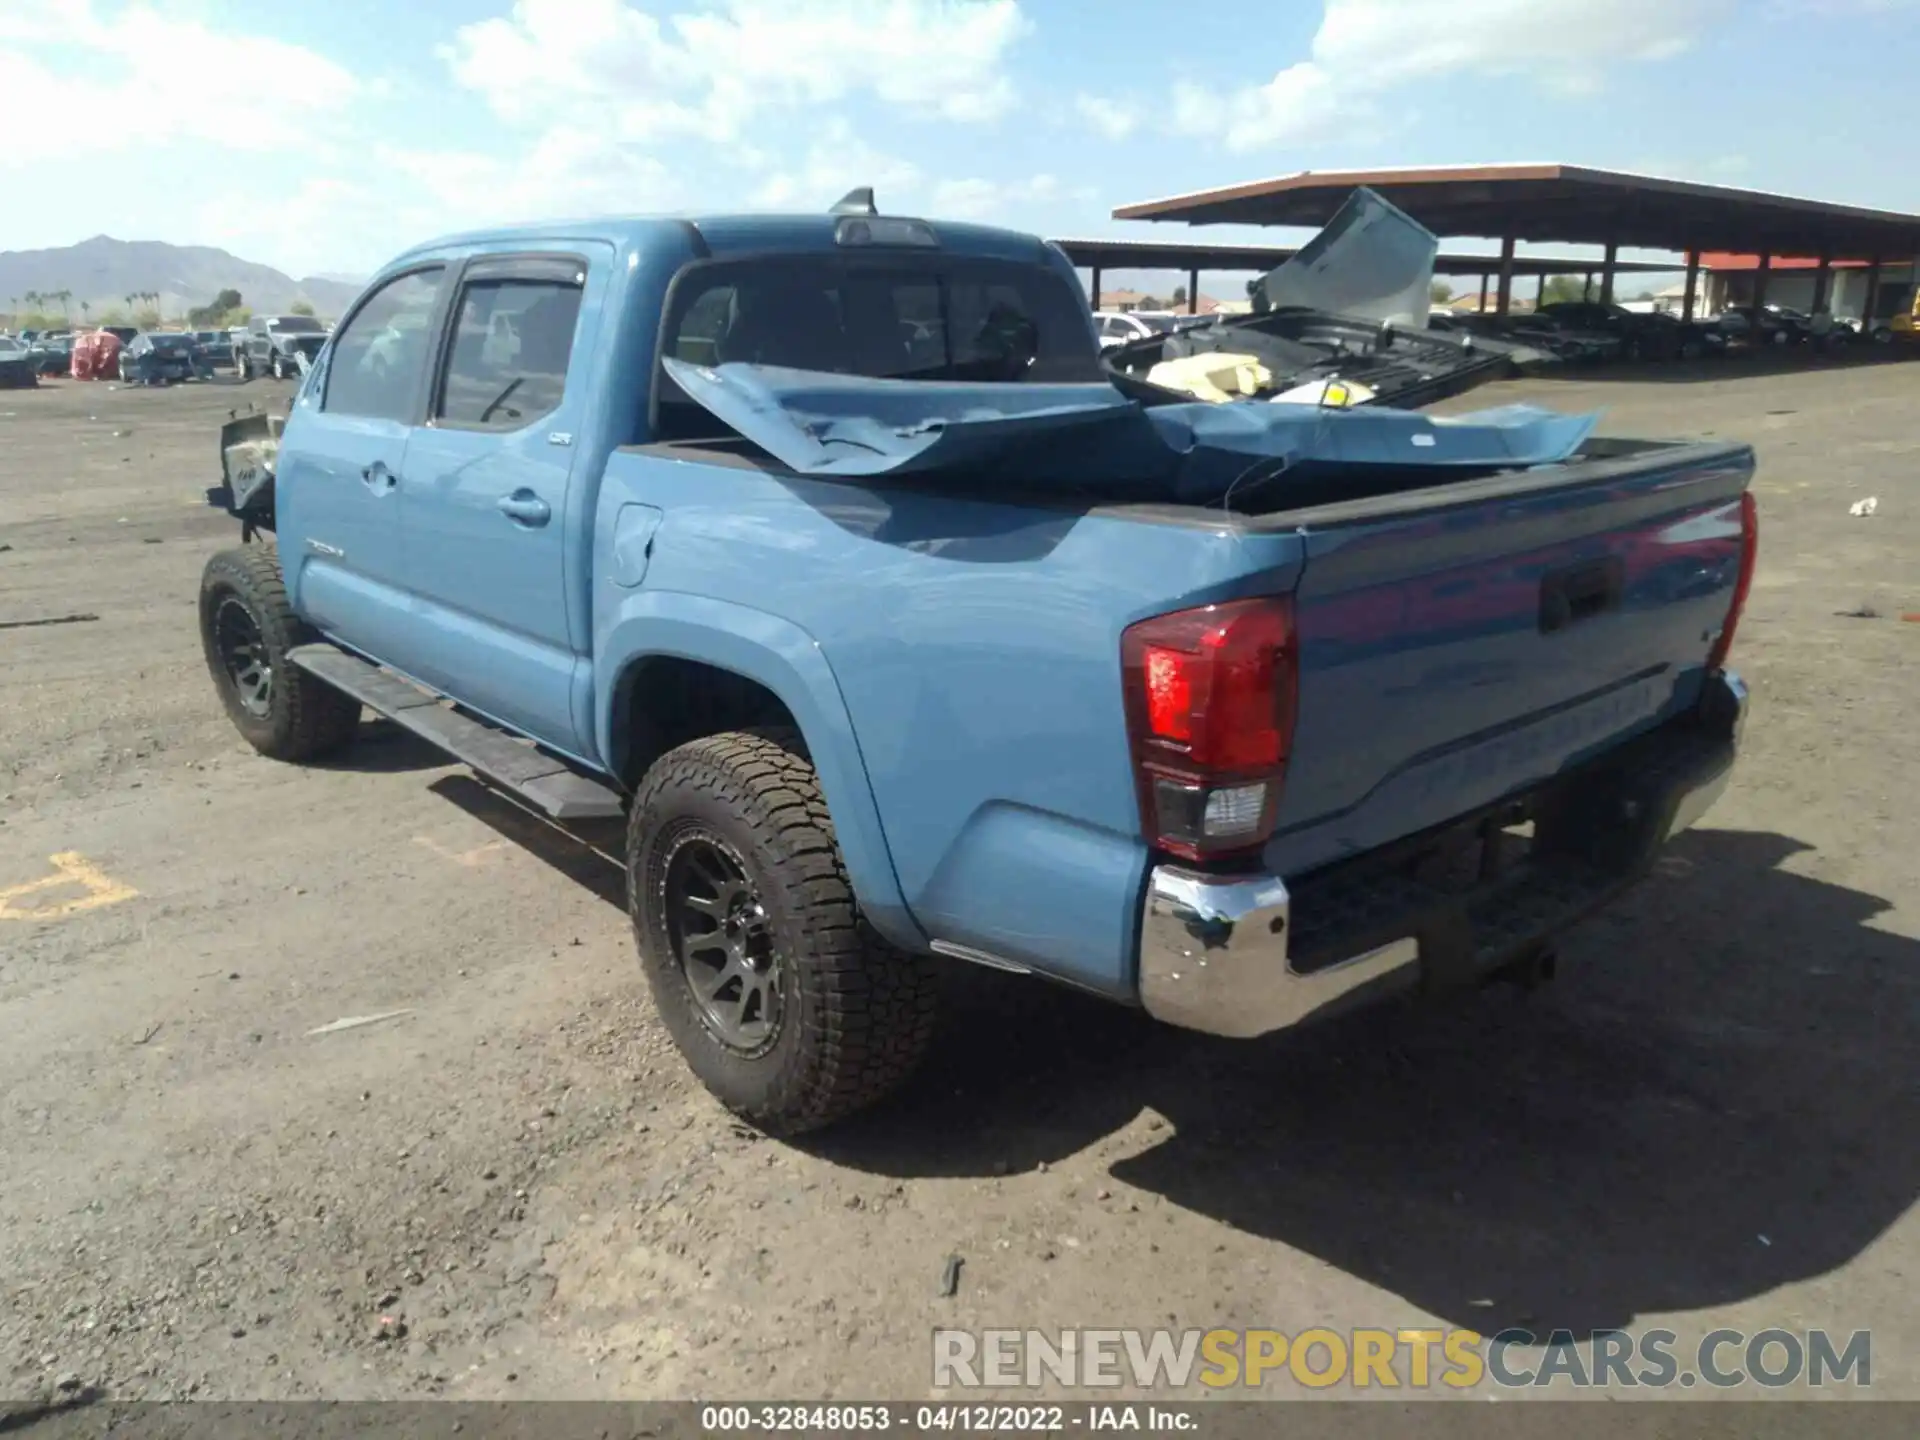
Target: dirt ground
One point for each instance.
(1707, 1121)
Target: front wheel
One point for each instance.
(782, 999)
(247, 626)
(242, 368)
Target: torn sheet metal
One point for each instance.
(1090, 437)
(1372, 261)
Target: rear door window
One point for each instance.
(507, 366)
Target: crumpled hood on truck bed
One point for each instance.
(1091, 437)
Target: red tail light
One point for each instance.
(1749, 553)
(1210, 705)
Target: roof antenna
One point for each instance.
(856, 202)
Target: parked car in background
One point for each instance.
(214, 349)
(51, 354)
(274, 345)
(1757, 325)
(1643, 335)
(16, 364)
(1685, 339)
(1599, 318)
(1122, 327)
(1566, 343)
(159, 357)
(125, 334)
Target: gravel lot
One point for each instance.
(1707, 1121)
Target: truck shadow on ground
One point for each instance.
(1740, 364)
(384, 748)
(1715, 1099)
(589, 854)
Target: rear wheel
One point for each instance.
(784, 1002)
(247, 627)
(242, 367)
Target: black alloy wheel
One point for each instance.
(723, 942)
(243, 655)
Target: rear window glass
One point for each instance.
(899, 318)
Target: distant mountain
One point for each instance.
(104, 271)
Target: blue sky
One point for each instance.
(324, 138)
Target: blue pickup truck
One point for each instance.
(824, 550)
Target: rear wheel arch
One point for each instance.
(679, 679)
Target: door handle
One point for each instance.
(523, 507)
(379, 478)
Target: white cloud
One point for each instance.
(834, 162)
(597, 107)
(707, 72)
(992, 200)
(1115, 119)
(1302, 102)
(1365, 49)
(838, 160)
(402, 195)
(129, 65)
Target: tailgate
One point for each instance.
(1456, 649)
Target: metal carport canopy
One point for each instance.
(1189, 255)
(1566, 203)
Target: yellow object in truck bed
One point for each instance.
(1218, 378)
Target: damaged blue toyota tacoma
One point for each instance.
(824, 551)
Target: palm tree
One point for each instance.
(65, 297)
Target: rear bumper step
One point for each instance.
(1247, 955)
(551, 786)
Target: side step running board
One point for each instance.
(548, 784)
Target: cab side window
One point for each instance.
(380, 355)
(508, 363)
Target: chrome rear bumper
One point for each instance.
(1217, 953)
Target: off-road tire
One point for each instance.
(305, 717)
(242, 367)
(277, 368)
(857, 1014)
